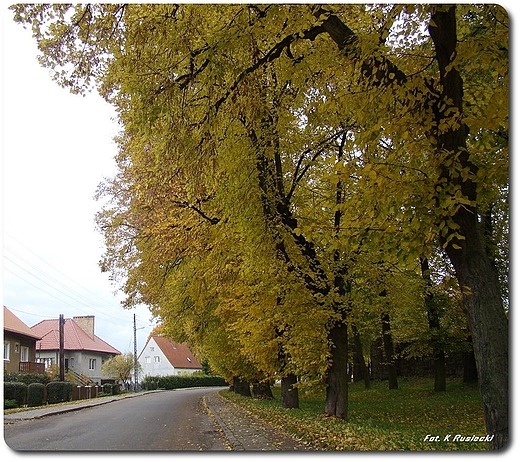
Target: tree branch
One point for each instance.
(187, 205)
(381, 71)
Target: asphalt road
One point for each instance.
(166, 421)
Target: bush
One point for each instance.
(16, 391)
(10, 404)
(59, 392)
(26, 377)
(149, 383)
(110, 389)
(35, 394)
(106, 389)
(171, 382)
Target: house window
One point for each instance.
(7, 351)
(152, 348)
(46, 361)
(189, 360)
(24, 357)
(156, 359)
(147, 359)
(71, 363)
(92, 364)
(17, 348)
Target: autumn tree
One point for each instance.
(413, 97)
(120, 367)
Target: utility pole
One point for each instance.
(62, 358)
(135, 357)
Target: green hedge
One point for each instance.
(171, 382)
(26, 377)
(111, 389)
(10, 404)
(15, 391)
(59, 392)
(35, 394)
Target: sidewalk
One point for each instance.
(67, 407)
(243, 431)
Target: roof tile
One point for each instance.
(178, 354)
(75, 338)
(15, 325)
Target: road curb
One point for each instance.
(246, 432)
(30, 414)
(228, 434)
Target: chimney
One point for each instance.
(86, 323)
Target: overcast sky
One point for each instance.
(57, 147)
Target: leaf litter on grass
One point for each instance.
(382, 419)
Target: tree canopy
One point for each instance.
(283, 170)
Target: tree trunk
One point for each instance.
(388, 345)
(434, 323)
(388, 348)
(262, 390)
(439, 364)
(241, 386)
(336, 403)
(290, 399)
(469, 373)
(489, 331)
(360, 358)
(476, 274)
(377, 369)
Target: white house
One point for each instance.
(161, 357)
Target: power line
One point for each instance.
(34, 285)
(54, 288)
(56, 269)
(45, 274)
(42, 280)
(57, 285)
(111, 319)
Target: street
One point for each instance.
(165, 421)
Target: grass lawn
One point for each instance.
(410, 418)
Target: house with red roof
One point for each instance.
(161, 356)
(19, 345)
(84, 352)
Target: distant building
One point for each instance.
(19, 345)
(162, 356)
(84, 352)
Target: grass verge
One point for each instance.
(412, 418)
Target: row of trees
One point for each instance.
(290, 175)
